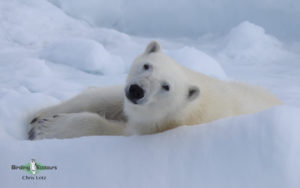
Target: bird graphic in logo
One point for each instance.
(33, 166)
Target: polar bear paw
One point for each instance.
(41, 127)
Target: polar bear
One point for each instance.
(159, 95)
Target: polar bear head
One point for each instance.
(157, 87)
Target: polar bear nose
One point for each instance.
(135, 92)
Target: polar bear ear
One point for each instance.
(193, 93)
(152, 47)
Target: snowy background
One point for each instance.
(52, 50)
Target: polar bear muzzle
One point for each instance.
(134, 93)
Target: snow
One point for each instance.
(187, 17)
(198, 61)
(47, 56)
(235, 152)
(84, 54)
(265, 49)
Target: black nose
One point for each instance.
(134, 93)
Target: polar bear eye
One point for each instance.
(165, 86)
(147, 67)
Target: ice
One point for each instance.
(248, 41)
(187, 17)
(47, 56)
(20, 24)
(84, 54)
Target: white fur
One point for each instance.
(193, 98)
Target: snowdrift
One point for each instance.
(258, 150)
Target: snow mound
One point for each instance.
(249, 41)
(84, 54)
(199, 61)
(233, 152)
(249, 54)
(36, 22)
